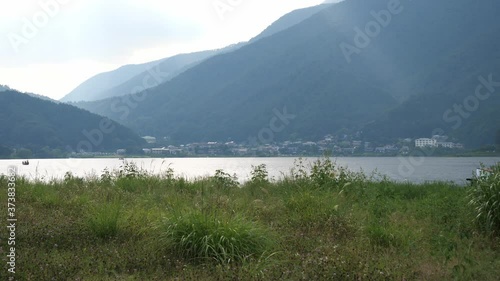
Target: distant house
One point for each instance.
(404, 150)
(446, 144)
(121, 151)
(240, 151)
(159, 151)
(424, 142)
(170, 150)
(357, 143)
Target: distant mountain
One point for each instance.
(157, 74)
(128, 79)
(31, 122)
(389, 71)
(91, 88)
(461, 96)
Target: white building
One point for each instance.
(446, 144)
(424, 142)
(161, 150)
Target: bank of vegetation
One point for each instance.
(316, 223)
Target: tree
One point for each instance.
(24, 153)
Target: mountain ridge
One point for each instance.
(302, 68)
(165, 69)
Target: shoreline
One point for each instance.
(493, 155)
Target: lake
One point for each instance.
(414, 170)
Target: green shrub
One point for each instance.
(130, 170)
(485, 199)
(298, 172)
(106, 177)
(323, 173)
(71, 181)
(224, 180)
(259, 174)
(199, 237)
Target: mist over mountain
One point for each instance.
(130, 79)
(389, 69)
(92, 88)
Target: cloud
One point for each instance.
(80, 38)
(96, 30)
(113, 30)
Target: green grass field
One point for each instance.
(326, 224)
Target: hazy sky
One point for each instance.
(50, 46)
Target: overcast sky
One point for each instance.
(50, 49)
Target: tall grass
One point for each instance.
(200, 237)
(103, 219)
(324, 222)
(485, 199)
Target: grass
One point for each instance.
(204, 238)
(485, 199)
(103, 219)
(324, 223)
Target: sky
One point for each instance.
(49, 47)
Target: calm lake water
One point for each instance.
(397, 168)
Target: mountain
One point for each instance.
(36, 123)
(289, 20)
(4, 88)
(389, 69)
(460, 92)
(91, 88)
(158, 74)
(129, 78)
(132, 78)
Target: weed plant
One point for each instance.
(485, 199)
